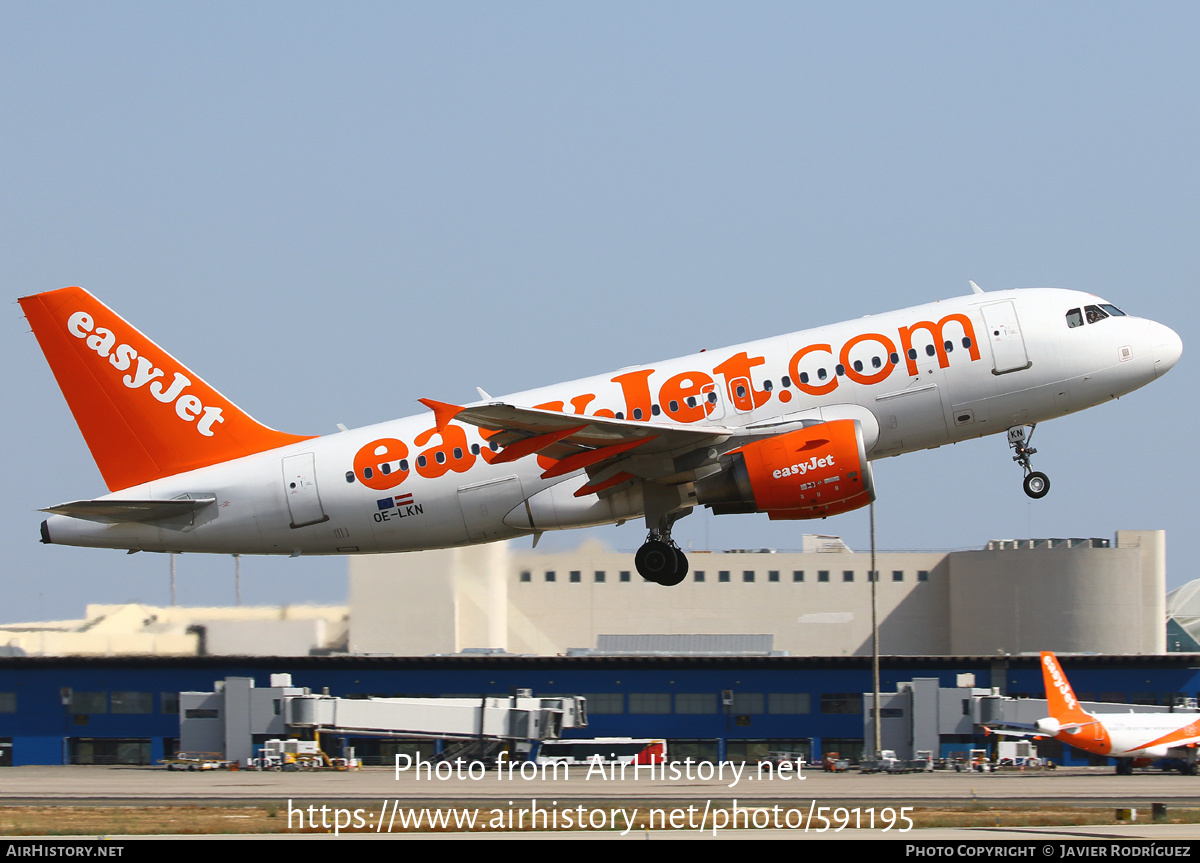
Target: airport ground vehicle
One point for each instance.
(603, 750)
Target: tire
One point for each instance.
(681, 570)
(1036, 485)
(656, 561)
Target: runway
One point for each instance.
(1077, 786)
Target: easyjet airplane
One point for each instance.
(1132, 738)
(787, 426)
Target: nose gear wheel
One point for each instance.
(1036, 483)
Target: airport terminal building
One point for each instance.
(757, 652)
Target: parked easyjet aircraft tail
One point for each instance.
(786, 426)
(1131, 738)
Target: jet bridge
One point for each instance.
(226, 722)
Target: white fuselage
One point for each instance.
(978, 365)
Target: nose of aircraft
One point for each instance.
(1166, 346)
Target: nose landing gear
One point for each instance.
(1036, 483)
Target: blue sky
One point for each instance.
(332, 210)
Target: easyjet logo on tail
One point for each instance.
(142, 371)
(1059, 681)
(143, 413)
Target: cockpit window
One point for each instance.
(1094, 314)
(1074, 318)
(1112, 310)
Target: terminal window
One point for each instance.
(822, 575)
(723, 575)
(89, 702)
(922, 575)
(551, 576)
(695, 702)
(526, 575)
(841, 702)
(132, 702)
(605, 702)
(599, 576)
(788, 702)
(847, 575)
(650, 702)
(749, 702)
(773, 575)
(624, 575)
(698, 575)
(576, 576)
(897, 575)
(747, 575)
(797, 575)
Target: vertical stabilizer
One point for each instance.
(1063, 704)
(143, 414)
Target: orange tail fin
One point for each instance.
(143, 414)
(1063, 704)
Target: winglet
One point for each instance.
(442, 412)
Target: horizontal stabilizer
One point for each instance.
(139, 511)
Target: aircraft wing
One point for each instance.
(612, 451)
(1188, 735)
(1013, 729)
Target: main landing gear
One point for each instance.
(659, 559)
(1036, 483)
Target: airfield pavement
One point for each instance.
(373, 787)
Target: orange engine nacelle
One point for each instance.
(812, 472)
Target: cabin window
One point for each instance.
(672, 406)
(949, 346)
(349, 476)
(858, 366)
(439, 457)
(786, 381)
(930, 350)
(655, 409)
(803, 377)
(385, 468)
(712, 398)
(691, 402)
(894, 358)
(474, 449)
(458, 453)
(422, 461)
(404, 464)
(741, 391)
(876, 363)
(840, 369)
(966, 342)
(1074, 319)
(637, 413)
(912, 353)
(822, 374)
(767, 386)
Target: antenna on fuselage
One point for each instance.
(975, 287)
